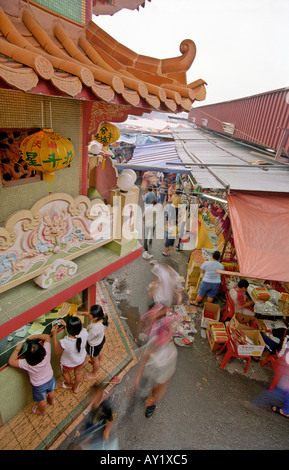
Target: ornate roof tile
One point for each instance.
(94, 61)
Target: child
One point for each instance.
(72, 350)
(37, 364)
(99, 421)
(96, 338)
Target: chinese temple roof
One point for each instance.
(41, 52)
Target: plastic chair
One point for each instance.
(223, 286)
(229, 308)
(232, 351)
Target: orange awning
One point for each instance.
(260, 224)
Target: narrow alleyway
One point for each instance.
(204, 407)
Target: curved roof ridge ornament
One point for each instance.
(129, 58)
(181, 63)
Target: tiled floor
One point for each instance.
(27, 431)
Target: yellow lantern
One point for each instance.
(47, 151)
(106, 134)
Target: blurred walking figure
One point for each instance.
(165, 291)
(282, 384)
(277, 396)
(97, 431)
(166, 287)
(159, 362)
(159, 323)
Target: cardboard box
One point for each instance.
(217, 335)
(213, 310)
(237, 325)
(255, 349)
(243, 318)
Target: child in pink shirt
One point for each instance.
(37, 364)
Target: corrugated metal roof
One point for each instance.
(229, 164)
(162, 156)
(214, 162)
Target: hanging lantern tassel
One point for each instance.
(106, 134)
(103, 158)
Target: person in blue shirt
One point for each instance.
(211, 281)
(149, 196)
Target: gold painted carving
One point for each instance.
(105, 112)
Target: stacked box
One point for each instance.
(260, 293)
(193, 276)
(217, 335)
(193, 282)
(193, 279)
(192, 292)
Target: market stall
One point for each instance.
(214, 233)
(250, 235)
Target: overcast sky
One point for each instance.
(242, 45)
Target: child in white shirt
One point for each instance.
(96, 338)
(72, 350)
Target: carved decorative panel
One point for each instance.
(58, 271)
(56, 227)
